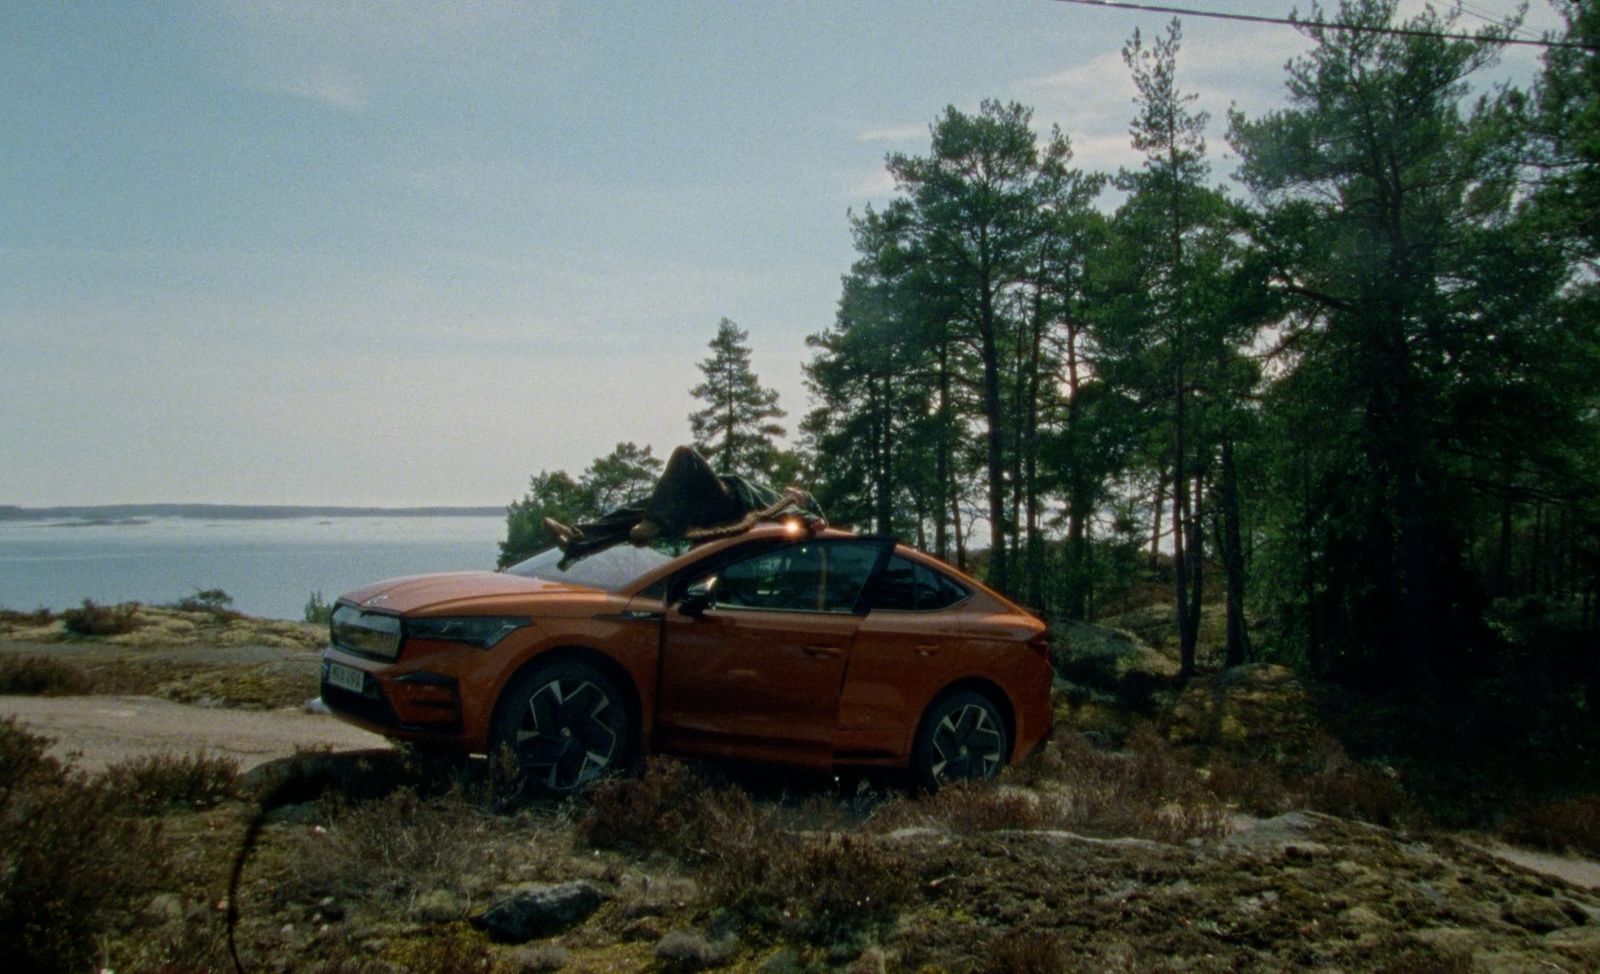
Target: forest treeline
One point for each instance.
(1355, 386)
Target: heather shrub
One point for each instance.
(1570, 824)
(968, 808)
(70, 863)
(41, 676)
(817, 885)
(822, 887)
(1351, 789)
(1026, 952)
(1147, 790)
(156, 783)
(392, 852)
(94, 619)
(38, 617)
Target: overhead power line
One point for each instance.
(1325, 25)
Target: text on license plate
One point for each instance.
(347, 677)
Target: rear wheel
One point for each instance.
(962, 738)
(564, 725)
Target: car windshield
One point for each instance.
(611, 568)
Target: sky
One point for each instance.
(413, 253)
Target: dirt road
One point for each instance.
(102, 730)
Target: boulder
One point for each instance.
(539, 911)
(1087, 653)
(1259, 711)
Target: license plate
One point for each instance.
(347, 677)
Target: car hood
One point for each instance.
(456, 590)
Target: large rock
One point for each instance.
(539, 911)
(1259, 711)
(1087, 653)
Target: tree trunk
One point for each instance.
(999, 568)
(1180, 521)
(1160, 513)
(941, 453)
(1232, 549)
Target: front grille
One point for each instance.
(372, 634)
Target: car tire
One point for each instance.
(561, 726)
(962, 737)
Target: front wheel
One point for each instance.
(564, 724)
(962, 738)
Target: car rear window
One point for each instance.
(906, 586)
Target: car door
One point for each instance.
(758, 673)
(909, 645)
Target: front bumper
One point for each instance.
(415, 705)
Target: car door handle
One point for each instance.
(925, 650)
(824, 652)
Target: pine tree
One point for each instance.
(736, 429)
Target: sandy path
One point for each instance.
(105, 730)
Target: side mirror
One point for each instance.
(699, 598)
(695, 605)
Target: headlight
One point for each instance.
(480, 631)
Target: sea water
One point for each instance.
(269, 567)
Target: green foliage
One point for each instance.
(736, 428)
(93, 619)
(317, 611)
(1431, 364)
(622, 477)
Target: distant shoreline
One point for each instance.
(130, 513)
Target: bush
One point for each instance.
(968, 808)
(1145, 791)
(317, 611)
(1026, 952)
(42, 676)
(93, 619)
(38, 617)
(149, 785)
(1570, 824)
(70, 865)
(667, 808)
(212, 601)
(391, 851)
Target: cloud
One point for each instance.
(347, 93)
(894, 133)
(873, 185)
(348, 55)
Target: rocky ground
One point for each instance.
(1163, 829)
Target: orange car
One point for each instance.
(779, 645)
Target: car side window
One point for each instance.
(847, 565)
(785, 579)
(811, 576)
(907, 586)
